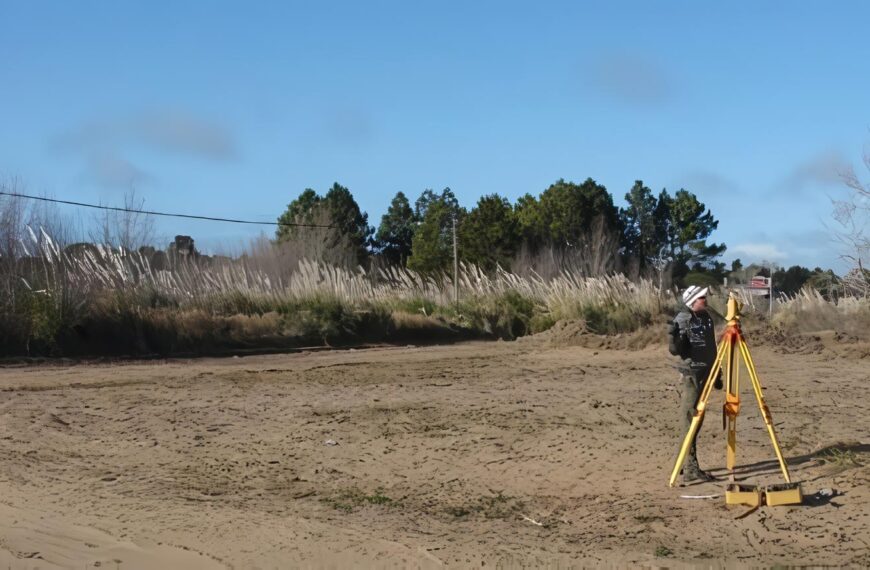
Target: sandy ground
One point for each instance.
(475, 455)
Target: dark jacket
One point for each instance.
(692, 338)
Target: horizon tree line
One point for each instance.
(568, 221)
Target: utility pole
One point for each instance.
(455, 263)
(770, 291)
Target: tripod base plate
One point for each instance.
(743, 495)
(772, 495)
(784, 494)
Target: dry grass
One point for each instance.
(96, 299)
(808, 312)
(100, 300)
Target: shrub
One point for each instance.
(507, 315)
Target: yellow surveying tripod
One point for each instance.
(726, 360)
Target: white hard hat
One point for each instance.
(693, 293)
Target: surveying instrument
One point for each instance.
(732, 343)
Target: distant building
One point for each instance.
(182, 249)
(759, 286)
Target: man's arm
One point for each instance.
(678, 336)
(711, 338)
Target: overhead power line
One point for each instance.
(170, 215)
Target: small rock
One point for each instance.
(330, 442)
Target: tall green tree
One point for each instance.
(347, 224)
(569, 211)
(663, 226)
(530, 222)
(432, 244)
(791, 280)
(396, 232)
(351, 223)
(687, 223)
(302, 210)
(489, 234)
(428, 196)
(642, 236)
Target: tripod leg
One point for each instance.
(732, 388)
(765, 411)
(699, 411)
(731, 455)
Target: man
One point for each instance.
(691, 337)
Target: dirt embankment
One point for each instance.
(831, 343)
(531, 453)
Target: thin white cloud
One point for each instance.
(630, 79)
(759, 251)
(105, 144)
(109, 170)
(819, 172)
(349, 126)
(705, 182)
(181, 132)
(173, 132)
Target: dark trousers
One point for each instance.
(691, 387)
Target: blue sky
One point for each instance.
(232, 108)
